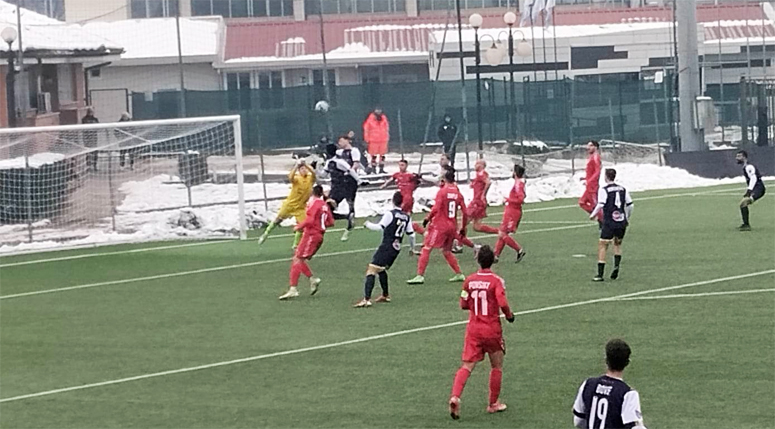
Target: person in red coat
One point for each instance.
(376, 134)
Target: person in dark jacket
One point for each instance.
(120, 135)
(90, 139)
(447, 133)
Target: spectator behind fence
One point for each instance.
(447, 134)
(376, 133)
(122, 135)
(90, 138)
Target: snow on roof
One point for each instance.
(562, 31)
(157, 37)
(41, 33)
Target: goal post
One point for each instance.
(132, 181)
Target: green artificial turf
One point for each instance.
(702, 361)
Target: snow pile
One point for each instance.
(160, 193)
(37, 160)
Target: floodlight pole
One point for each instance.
(10, 93)
(326, 89)
(478, 63)
(180, 66)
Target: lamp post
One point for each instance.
(475, 21)
(523, 50)
(9, 35)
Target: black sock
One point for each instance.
(351, 219)
(369, 286)
(744, 213)
(617, 261)
(383, 282)
(600, 269)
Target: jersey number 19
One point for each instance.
(600, 411)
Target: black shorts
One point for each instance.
(758, 192)
(344, 192)
(609, 231)
(385, 255)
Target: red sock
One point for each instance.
(511, 243)
(452, 261)
(466, 241)
(418, 228)
(305, 269)
(295, 273)
(487, 229)
(496, 376)
(499, 246)
(461, 376)
(422, 262)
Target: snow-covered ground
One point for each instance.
(222, 220)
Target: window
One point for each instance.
(312, 7)
(51, 8)
(238, 88)
(65, 84)
(242, 8)
(468, 4)
(153, 8)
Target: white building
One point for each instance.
(149, 63)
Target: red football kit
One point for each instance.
(443, 228)
(484, 296)
(588, 200)
(407, 184)
(477, 209)
(512, 214)
(319, 218)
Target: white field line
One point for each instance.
(243, 265)
(175, 246)
(371, 338)
(697, 295)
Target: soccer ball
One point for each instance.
(322, 106)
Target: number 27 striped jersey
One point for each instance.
(395, 224)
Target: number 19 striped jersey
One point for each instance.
(484, 296)
(607, 402)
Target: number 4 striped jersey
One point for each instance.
(484, 296)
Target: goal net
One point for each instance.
(121, 182)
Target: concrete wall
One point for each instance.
(106, 10)
(109, 98)
(716, 164)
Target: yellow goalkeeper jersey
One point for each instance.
(301, 189)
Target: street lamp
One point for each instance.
(523, 50)
(494, 56)
(9, 35)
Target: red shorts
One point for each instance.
(588, 200)
(440, 238)
(309, 245)
(510, 221)
(408, 205)
(377, 148)
(477, 210)
(475, 347)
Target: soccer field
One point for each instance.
(192, 334)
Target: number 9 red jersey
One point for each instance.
(443, 215)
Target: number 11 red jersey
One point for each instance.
(484, 296)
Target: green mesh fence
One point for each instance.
(557, 112)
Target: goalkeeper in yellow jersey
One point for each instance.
(302, 179)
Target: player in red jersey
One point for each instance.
(319, 218)
(477, 208)
(407, 183)
(443, 228)
(512, 215)
(588, 201)
(484, 296)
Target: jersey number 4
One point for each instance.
(599, 410)
(480, 302)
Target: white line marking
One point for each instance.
(365, 339)
(151, 249)
(243, 265)
(697, 295)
